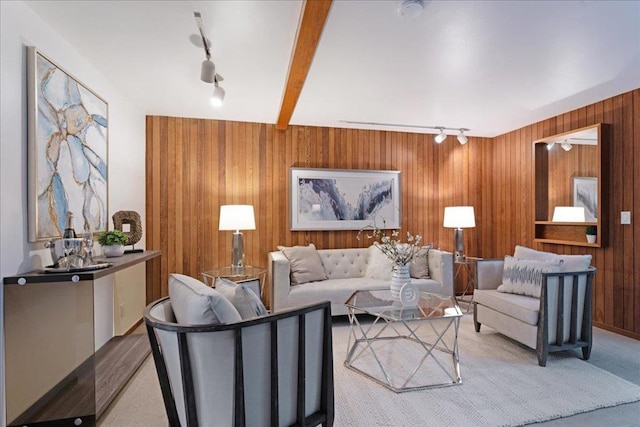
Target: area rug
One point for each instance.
(502, 384)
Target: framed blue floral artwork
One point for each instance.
(67, 151)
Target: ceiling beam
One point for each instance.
(312, 20)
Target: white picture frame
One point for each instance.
(585, 194)
(344, 199)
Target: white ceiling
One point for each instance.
(492, 66)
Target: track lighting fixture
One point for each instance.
(218, 94)
(462, 138)
(208, 68)
(441, 136)
(438, 138)
(566, 146)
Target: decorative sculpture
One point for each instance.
(135, 226)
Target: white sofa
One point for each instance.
(346, 273)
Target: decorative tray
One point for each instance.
(98, 266)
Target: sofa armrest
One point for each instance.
(279, 276)
(489, 273)
(441, 269)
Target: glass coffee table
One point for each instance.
(403, 348)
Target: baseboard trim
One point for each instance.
(617, 330)
(134, 327)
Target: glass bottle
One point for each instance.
(69, 232)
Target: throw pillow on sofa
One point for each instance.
(524, 276)
(570, 262)
(306, 265)
(379, 265)
(194, 303)
(419, 266)
(243, 299)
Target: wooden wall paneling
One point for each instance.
(616, 204)
(627, 200)
(634, 207)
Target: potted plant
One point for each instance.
(591, 232)
(113, 242)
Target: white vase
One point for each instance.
(399, 276)
(591, 238)
(113, 251)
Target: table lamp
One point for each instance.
(236, 218)
(459, 217)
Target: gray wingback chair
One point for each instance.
(274, 370)
(561, 319)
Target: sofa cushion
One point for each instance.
(521, 307)
(242, 297)
(379, 266)
(306, 265)
(194, 303)
(419, 266)
(524, 276)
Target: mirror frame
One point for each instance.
(570, 233)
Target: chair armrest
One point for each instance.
(441, 269)
(279, 276)
(489, 273)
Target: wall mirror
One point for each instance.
(570, 169)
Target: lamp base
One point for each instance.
(237, 256)
(459, 245)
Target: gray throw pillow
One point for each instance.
(419, 266)
(194, 303)
(524, 276)
(242, 297)
(306, 265)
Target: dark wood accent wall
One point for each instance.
(196, 165)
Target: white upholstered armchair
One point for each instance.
(274, 370)
(559, 319)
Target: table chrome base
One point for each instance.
(368, 336)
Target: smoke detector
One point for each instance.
(410, 9)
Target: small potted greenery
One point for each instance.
(591, 232)
(113, 242)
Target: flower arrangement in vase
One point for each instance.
(401, 254)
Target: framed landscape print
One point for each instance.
(585, 194)
(344, 199)
(67, 151)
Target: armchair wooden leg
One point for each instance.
(475, 317)
(542, 357)
(586, 352)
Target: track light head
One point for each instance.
(566, 146)
(441, 136)
(208, 71)
(462, 138)
(218, 95)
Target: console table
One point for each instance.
(63, 364)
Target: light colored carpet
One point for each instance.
(502, 384)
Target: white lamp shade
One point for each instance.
(568, 214)
(237, 217)
(459, 217)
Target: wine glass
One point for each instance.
(88, 246)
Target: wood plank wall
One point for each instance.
(196, 165)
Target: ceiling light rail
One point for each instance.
(438, 138)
